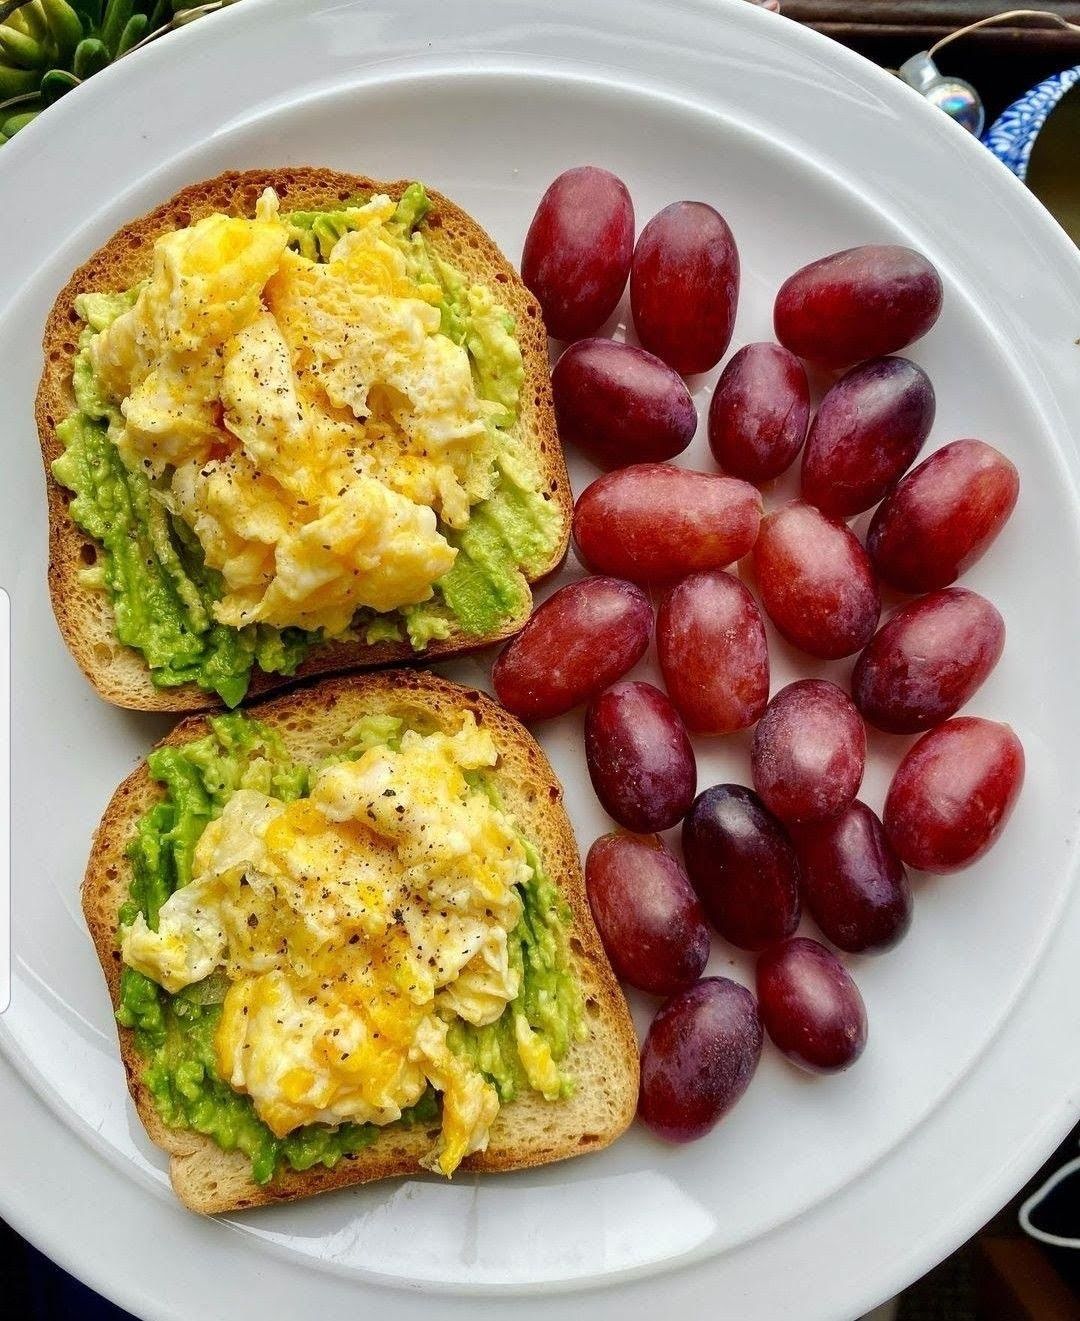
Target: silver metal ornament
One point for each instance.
(955, 96)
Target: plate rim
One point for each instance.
(849, 65)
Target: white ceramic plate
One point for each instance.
(816, 1198)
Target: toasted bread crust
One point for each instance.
(528, 1132)
(84, 614)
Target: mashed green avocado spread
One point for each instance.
(174, 1033)
(152, 565)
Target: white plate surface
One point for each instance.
(821, 1196)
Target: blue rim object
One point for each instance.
(1012, 135)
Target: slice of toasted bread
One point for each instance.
(85, 613)
(529, 1131)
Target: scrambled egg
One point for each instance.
(310, 419)
(353, 926)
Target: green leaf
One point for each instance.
(117, 15)
(16, 123)
(133, 33)
(91, 56)
(22, 50)
(55, 83)
(33, 17)
(64, 25)
(16, 82)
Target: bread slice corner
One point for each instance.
(529, 1131)
(83, 613)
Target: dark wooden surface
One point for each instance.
(934, 18)
(1016, 1281)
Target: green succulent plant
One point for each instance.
(47, 47)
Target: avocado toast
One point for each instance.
(544, 1041)
(154, 537)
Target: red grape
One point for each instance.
(868, 429)
(759, 412)
(927, 660)
(853, 884)
(857, 304)
(619, 404)
(654, 523)
(577, 643)
(810, 1006)
(684, 286)
(742, 863)
(711, 641)
(699, 1056)
(641, 763)
(649, 918)
(952, 794)
(809, 752)
(815, 581)
(578, 249)
(942, 516)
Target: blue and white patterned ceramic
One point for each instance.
(1012, 135)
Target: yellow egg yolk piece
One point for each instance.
(354, 926)
(309, 421)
